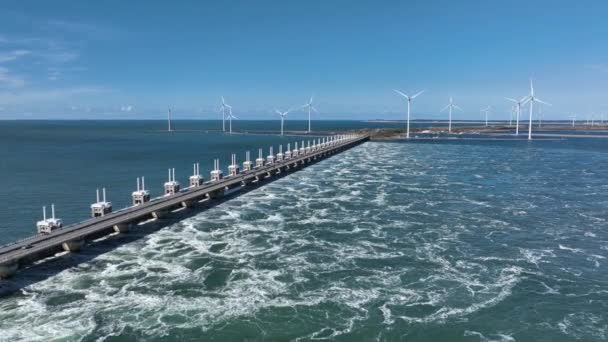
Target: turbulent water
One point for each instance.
(479, 241)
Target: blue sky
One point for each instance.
(134, 59)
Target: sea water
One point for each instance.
(416, 241)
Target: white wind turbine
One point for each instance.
(531, 99)
(223, 109)
(282, 115)
(573, 117)
(310, 108)
(230, 117)
(518, 104)
(486, 110)
(450, 106)
(409, 104)
(169, 129)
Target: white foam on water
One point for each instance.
(384, 249)
(582, 325)
(508, 278)
(534, 256)
(573, 250)
(493, 338)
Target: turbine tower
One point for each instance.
(518, 104)
(282, 115)
(486, 110)
(310, 108)
(450, 107)
(409, 104)
(573, 117)
(169, 129)
(230, 117)
(531, 99)
(223, 109)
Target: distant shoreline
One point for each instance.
(502, 130)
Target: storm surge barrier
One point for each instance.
(54, 238)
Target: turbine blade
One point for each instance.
(446, 107)
(531, 87)
(417, 94)
(510, 99)
(402, 94)
(278, 112)
(314, 109)
(455, 106)
(541, 101)
(311, 98)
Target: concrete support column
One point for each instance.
(121, 228)
(187, 204)
(159, 214)
(215, 194)
(8, 268)
(73, 245)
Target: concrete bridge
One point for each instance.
(73, 237)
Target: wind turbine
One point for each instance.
(282, 115)
(486, 110)
(450, 106)
(309, 107)
(573, 119)
(531, 99)
(223, 109)
(230, 117)
(519, 104)
(409, 104)
(169, 129)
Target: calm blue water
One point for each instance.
(422, 241)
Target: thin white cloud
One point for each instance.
(46, 57)
(8, 80)
(44, 96)
(47, 50)
(9, 56)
